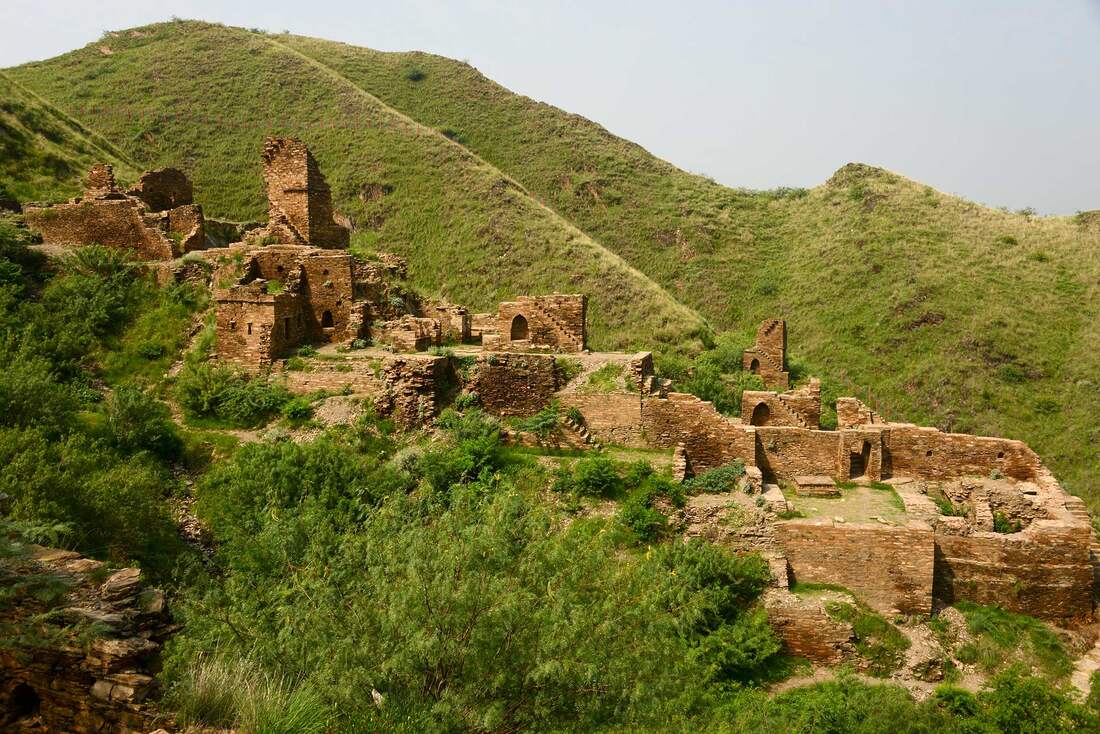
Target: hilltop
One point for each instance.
(966, 317)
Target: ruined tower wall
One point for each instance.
(163, 189)
(254, 328)
(300, 202)
(555, 323)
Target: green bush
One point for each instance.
(542, 423)
(297, 409)
(717, 480)
(878, 642)
(638, 515)
(220, 393)
(596, 476)
(1002, 523)
(139, 422)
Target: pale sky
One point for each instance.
(994, 100)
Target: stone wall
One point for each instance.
(932, 454)
(103, 685)
(852, 412)
(299, 200)
(360, 377)
(890, 568)
(1043, 571)
(407, 333)
(119, 223)
(711, 439)
(163, 189)
(555, 323)
(415, 386)
(789, 452)
(514, 384)
(612, 418)
(806, 630)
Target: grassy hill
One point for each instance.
(203, 97)
(932, 308)
(45, 153)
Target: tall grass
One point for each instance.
(223, 693)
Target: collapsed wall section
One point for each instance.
(514, 384)
(710, 439)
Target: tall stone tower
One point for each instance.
(768, 356)
(300, 202)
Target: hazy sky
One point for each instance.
(996, 100)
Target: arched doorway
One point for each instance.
(326, 320)
(754, 366)
(760, 415)
(519, 328)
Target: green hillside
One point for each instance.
(947, 312)
(44, 153)
(933, 308)
(203, 97)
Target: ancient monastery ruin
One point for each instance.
(293, 283)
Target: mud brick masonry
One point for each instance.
(155, 220)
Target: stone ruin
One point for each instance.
(555, 323)
(300, 208)
(94, 666)
(767, 357)
(154, 220)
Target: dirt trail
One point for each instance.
(1086, 665)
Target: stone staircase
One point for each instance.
(790, 412)
(582, 432)
(558, 326)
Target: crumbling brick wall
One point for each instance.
(711, 439)
(767, 357)
(929, 453)
(415, 386)
(359, 377)
(789, 452)
(554, 323)
(104, 686)
(799, 408)
(514, 384)
(300, 203)
(163, 189)
(806, 629)
(118, 223)
(613, 418)
(852, 412)
(105, 216)
(407, 333)
(902, 559)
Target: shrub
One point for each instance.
(878, 642)
(1002, 523)
(466, 401)
(717, 480)
(139, 422)
(543, 423)
(297, 409)
(223, 394)
(307, 350)
(596, 476)
(568, 369)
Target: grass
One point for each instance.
(878, 642)
(217, 693)
(1001, 638)
(219, 91)
(931, 308)
(608, 378)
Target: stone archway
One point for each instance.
(754, 366)
(520, 331)
(23, 702)
(760, 415)
(859, 462)
(326, 320)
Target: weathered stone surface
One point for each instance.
(768, 355)
(514, 384)
(66, 685)
(300, 203)
(555, 323)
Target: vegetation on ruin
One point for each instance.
(370, 579)
(1001, 638)
(881, 645)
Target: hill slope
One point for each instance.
(947, 312)
(44, 153)
(203, 97)
(950, 313)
